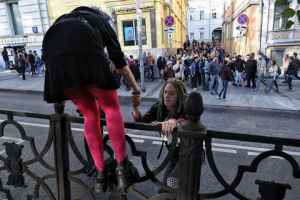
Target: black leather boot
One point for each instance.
(122, 176)
(101, 182)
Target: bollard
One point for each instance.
(191, 134)
(60, 127)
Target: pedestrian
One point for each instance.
(178, 69)
(79, 71)
(291, 72)
(251, 70)
(214, 69)
(285, 64)
(5, 58)
(240, 68)
(31, 61)
(297, 64)
(161, 63)
(225, 77)
(168, 71)
(22, 64)
(167, 113)
(195, 72)
(274, 73)
(261, 70)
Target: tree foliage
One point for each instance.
(289, 12)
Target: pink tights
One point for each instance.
(89, 101)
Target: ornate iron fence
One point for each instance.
(192, 136)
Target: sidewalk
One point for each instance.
(236, 97)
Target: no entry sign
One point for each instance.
(169, 21)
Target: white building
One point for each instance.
(23, 23)
(279, 40)
(205, 19)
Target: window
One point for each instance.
(130, 33)
(201, 14)
(214, 15)
(279, 20)
(201, 35)
(16, 19)
(191, 36)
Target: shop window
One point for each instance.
(16, 20)
(130, 32)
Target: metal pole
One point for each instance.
(192, 134)
(140, 44)
(261, 22)
(60, 128)
(209, 18)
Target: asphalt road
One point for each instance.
(228, 154)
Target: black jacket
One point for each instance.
(251, 67)
(74, 56)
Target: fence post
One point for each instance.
(60, 127)
(191, 134)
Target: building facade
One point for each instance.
(244, 38)
(23, 23)
(154, 35)
(205, 19)
(265, 31)
(282, 41)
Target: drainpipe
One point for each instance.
(41, 16)
(261, 23)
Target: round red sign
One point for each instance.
(169, 21)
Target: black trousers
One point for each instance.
(251, 78)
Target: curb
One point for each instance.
(207, 107)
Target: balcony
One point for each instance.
(283, 37)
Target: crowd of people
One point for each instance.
(206, 65)
(23, 62)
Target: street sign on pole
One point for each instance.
(169, 21)
(243, 19)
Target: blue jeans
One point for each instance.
(214, 84)
(224, 89)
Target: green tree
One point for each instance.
(289, 12)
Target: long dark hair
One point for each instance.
(181, 95)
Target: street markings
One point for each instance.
(216, 147)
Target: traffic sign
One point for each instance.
(170, 36)
(169, 21)
(243, 19)
(170, 29)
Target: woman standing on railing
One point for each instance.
(167, 112)
(77, 69)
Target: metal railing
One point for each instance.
(192, 135)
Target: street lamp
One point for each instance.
(140, 44)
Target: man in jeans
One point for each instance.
(214, 69)
(240, 68)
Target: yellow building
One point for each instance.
(154, 36)
(242, 39)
